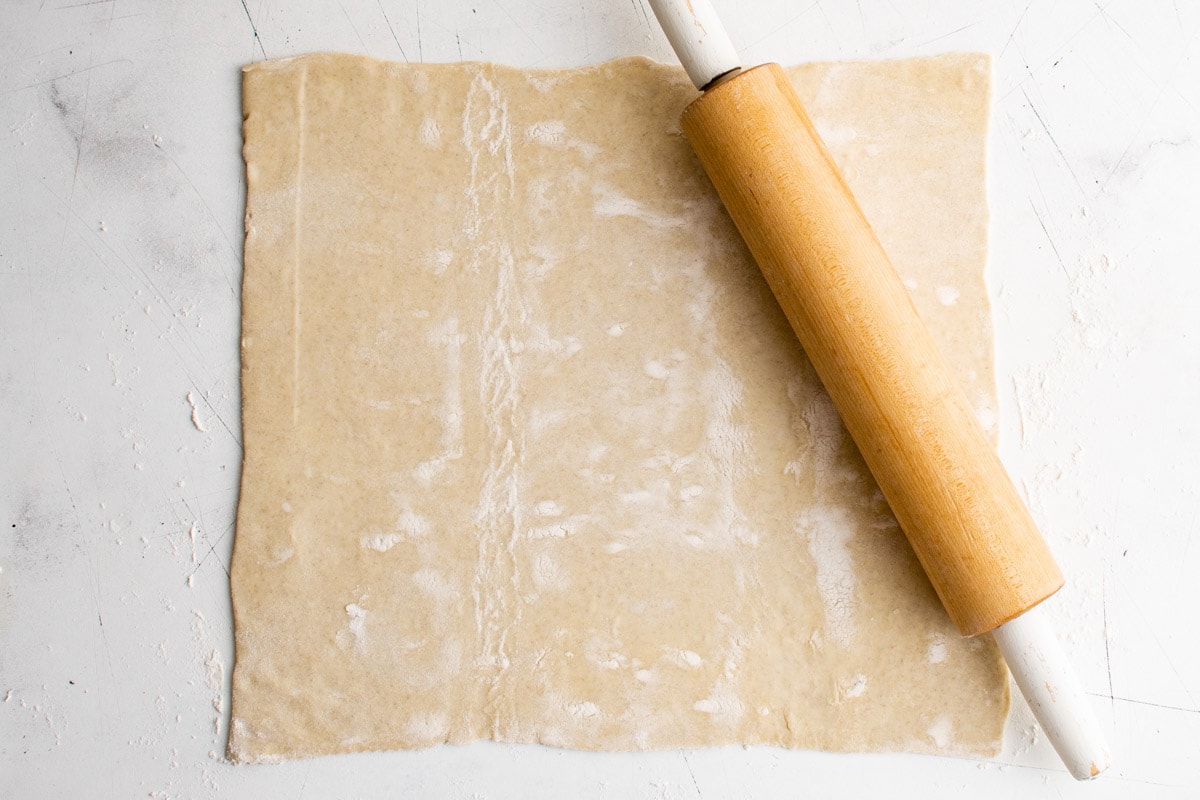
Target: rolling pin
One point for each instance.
(891, 385)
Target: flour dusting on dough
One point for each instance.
(941, 732)
(353, 636)
(829, 532)
(487, 135)
(434, 583)
(430, 133)
(608, 202)
(380, 542)
(447, 337)
(412, 524)
(826, 525)
(947, 295)
(655, 369)
(548, 508)
(429, 728)
(583, 710)
(723, 703)
(440, 260)
(936, 652)
(857, 687)
(546, 132)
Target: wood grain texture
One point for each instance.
(895, 392)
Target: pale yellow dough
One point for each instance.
(531, 453)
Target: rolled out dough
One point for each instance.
(530, 451)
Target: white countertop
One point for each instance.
(120, 262)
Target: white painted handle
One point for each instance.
(699, 39)
(1045, 677)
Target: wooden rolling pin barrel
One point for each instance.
(894, 390)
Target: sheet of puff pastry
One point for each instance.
(531, 453)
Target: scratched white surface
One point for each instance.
(121, 197)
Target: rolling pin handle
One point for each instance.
(1042, 672)
(698, 38)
